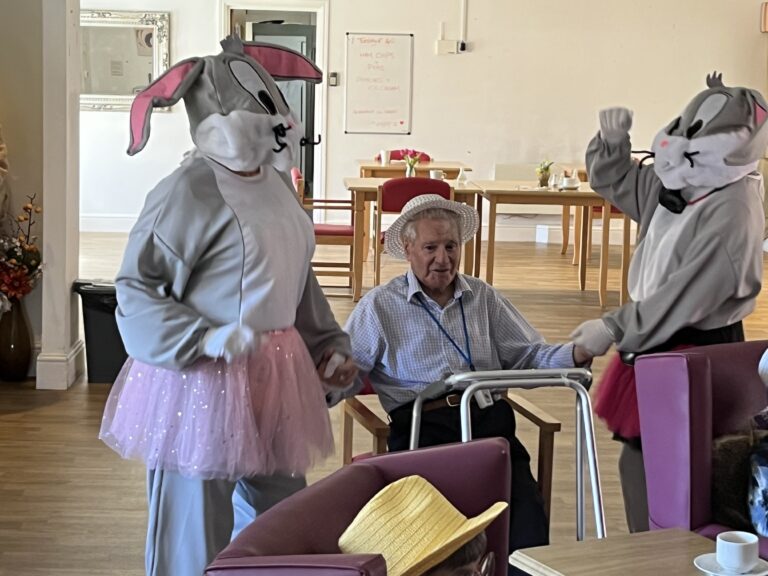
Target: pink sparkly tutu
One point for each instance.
(264, 413)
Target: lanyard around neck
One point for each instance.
(466, 356)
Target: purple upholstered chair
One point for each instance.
(299, 536)
(687, 398)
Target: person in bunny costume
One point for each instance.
(697, 270)
(230, 337)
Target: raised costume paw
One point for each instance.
(615, 124)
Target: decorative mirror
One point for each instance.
(121, 54)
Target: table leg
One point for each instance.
(577, 228)
(469, 257)
(604, 248)
(582, 244)
(479, 236)
(491, 240)
(357, 252)
(624, 294)
(566, 228)
(366, 220)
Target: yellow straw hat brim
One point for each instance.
(413, 526)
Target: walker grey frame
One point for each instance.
(577, 379)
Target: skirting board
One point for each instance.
(57, 371)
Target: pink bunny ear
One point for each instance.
(283, 63)
(165, 91)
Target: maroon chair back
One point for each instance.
(299, 536)
(686, 399)
(396, 193)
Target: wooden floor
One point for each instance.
(68, 505)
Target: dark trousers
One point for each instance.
(528, 523)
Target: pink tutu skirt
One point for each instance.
(262, 414)
(616, 398)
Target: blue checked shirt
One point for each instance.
(402, 349)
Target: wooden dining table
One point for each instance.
(396, 168)
(498, 192)
(364, 191)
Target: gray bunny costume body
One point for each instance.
(697, 270)
(221, 242)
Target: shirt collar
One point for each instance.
(414, 287)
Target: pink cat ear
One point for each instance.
(165, 91)
(283, 63)
(760, 114)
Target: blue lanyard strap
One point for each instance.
(466, 356)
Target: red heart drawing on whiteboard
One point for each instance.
(402, 122)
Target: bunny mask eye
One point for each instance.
(249, 79)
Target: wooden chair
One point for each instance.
(354, 410)
(331, 234)
(390, 199)
(597, 213)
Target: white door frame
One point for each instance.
(320, 8)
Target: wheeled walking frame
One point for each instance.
(577, 379)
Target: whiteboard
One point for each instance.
(379, 76)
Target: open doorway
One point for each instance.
(298, 30)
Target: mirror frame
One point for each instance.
(161, 56)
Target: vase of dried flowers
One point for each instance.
(20, 270)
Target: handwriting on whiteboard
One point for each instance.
(378, 82)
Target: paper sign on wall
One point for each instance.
(378, 83)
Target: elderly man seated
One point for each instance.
(432, 322)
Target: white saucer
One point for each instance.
(576, 187)
(708, 563)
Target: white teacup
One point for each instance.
(436, 174)
(384, 157)
(737, 551)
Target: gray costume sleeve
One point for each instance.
(155, 326)
(181, 218)
(619, 179)
(701, 285)
(316, 323)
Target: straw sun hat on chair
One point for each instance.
(467, 216)
(413, 526)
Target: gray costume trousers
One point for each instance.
(632, 475)
(191, 520)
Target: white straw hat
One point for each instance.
(413, 526)
(467, 216)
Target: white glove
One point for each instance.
(594, 336)
(762, 367)
(615, 124)
(336, 360)
(228, 341)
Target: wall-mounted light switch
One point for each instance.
(333, 79)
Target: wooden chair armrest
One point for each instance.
(541, 418)
(365, 417)
(547, 425)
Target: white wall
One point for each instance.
(530, 86)
(21, 112)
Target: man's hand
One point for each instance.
(228, 341)
(615, 124)
(335, 370)
(581, 356)
(593, 336)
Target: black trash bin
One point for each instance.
(104, 350)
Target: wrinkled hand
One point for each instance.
(615, 124)
(581, 356)
(593, 336)
(336, 370)
(228, 341)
